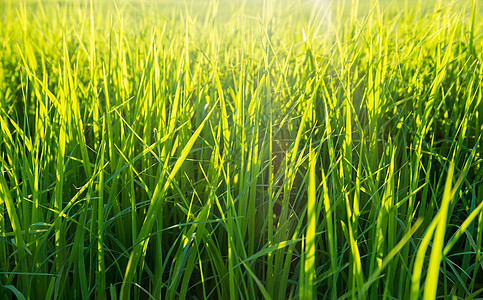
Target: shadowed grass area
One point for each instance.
(241, 150)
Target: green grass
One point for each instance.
(241, 150)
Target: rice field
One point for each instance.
(247, 149)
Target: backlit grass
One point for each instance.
(241, 150)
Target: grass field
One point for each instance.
(241, 150)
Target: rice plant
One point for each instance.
(247, 149)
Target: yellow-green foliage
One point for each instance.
(240, 149)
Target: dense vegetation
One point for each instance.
(241, 150)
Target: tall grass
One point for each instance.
(245, 150)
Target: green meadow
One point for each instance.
(256, 149)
